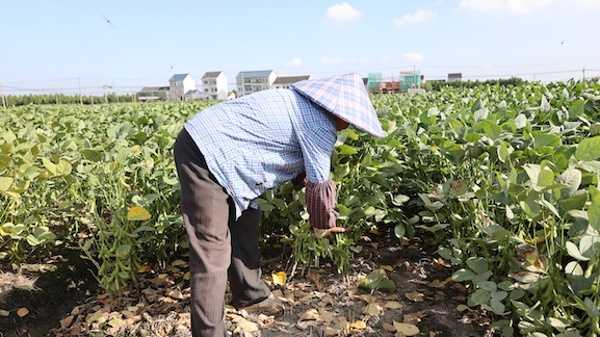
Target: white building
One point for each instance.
(193, 95)
(284, 82)
(179, 85)
(214, 85)
(254, 81)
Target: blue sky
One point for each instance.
(50, 46)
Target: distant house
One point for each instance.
(390, 87)
(454, 77)
(231, 95)
(193, 94)
(284, 82)
(179, 85)
(148, 94)
(254, 81)
(214, 85)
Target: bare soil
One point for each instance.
(319, 301)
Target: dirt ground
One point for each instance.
(319, 301)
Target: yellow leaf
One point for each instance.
(388, 268)
(187, 276)
(279, 278)
(376, 232)
(393, 305)
(358, 325)
(138, 213)
(406, 329)
(22, 312)
(146, 267)
(462, 307)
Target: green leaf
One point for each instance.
(50, 166)
(497, 306)
(92, 155)
(123, 251)
(545, 178)
(577, 201)
(377, 280)
(478, 264)
(346, 150)
(589, 246)
(462, 275)
(399, 230)
(594, 213)
(480, 296)
(521, 121)
(32, 240)
(577, 108)
(546, 140)
(588, 149)
(573, 251)
(5, 183)
(491, 129)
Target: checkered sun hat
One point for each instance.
(346, 97)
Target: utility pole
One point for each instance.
(3, 99)
(583, 75)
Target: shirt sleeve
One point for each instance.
(320, 202)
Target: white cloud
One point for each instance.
(228, 66)
(342, 13)
(413, 57)
(420, 16)
(294, 63)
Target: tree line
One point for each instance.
(19, 100)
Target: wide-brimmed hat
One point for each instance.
(346, 97)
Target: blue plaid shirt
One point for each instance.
(260, 141)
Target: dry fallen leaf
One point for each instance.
(372, 309)
(22, 312)
(329, 332)
(414, 296)
(437, 284)
(315, 279)
(393, 305)
(358, 325)
(414, 318)
(388, 327)
(327, 317)
(406, 329)
(244, 326)
(65, 322)
(309, 315)
(144, 268)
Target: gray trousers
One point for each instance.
(220, 245)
